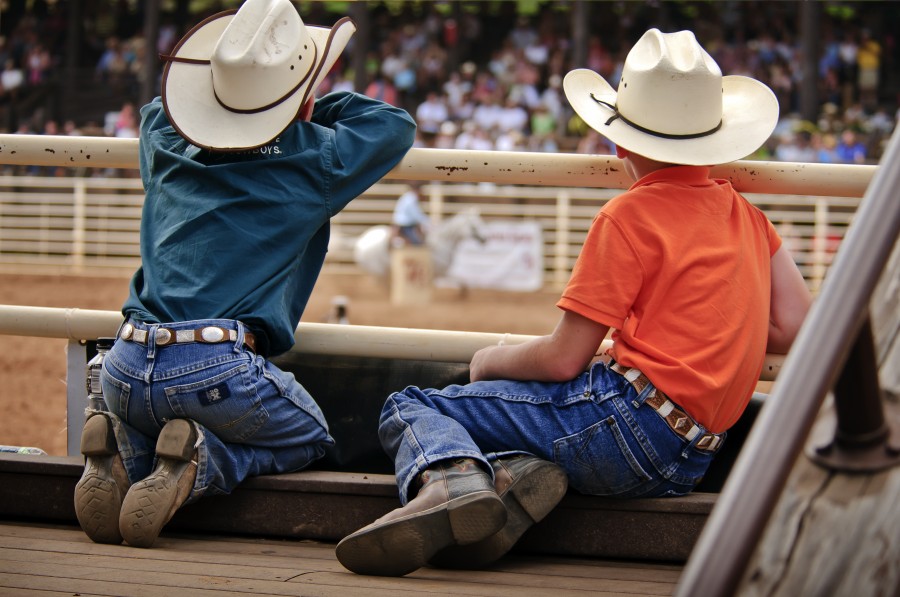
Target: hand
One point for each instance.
(478, 367)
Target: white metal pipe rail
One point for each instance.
(502, 167)
(312, 338)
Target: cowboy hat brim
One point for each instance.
(190, 101)
(749, 115)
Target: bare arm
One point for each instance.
(559, 356)
(789, 303)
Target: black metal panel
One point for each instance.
(351, 392)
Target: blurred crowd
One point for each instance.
(497, 86)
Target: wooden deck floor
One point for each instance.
(46, 560)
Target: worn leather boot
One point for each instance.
(530, 488)
(99, 493)
(457, 505)
(152, 502)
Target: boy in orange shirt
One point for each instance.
(696, 287)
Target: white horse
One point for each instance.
(371, 250)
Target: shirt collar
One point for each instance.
(689, 175)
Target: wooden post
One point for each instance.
(411, 275)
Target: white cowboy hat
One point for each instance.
(237, 80)
(673, 104)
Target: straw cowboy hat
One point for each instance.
(673, 104)
(237, 80)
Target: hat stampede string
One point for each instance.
(618, 115)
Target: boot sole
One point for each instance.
(406, 544)
(98, 497)
(528, 501)
(150, 503)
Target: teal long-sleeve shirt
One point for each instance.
(243, 235)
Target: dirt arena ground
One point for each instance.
(33, 370)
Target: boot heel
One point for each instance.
(540, 491)
(97, 437)
(176, 440)
(478, 518)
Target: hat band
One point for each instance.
(282, 99)
(618, 115)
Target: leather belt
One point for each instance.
(210, 334)
(679, 421)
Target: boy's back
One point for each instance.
(687, 293)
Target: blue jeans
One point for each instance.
(252, 417)
(596, 427)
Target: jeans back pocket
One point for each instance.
(227, 404)
(600, 462)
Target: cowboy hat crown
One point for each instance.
(238, 79)
(673, 104)
(263, 54)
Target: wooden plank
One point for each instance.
(280, 561)
(843, 527)
(184, 551)
(42, 558)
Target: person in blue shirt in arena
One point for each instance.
(409, 221)
(243, 169)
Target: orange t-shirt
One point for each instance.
(679, 267)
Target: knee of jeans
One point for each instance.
(395, 401)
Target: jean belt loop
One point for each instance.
(590, 383)
(693, 441)
(151, 341)
(239, 341)
(648, 391)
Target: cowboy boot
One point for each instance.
(152, 502)
(457, 504)
(530, 488)
(99, 492)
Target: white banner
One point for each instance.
(510, 258)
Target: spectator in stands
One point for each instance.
(796, 147)
(430, 115)
(868, 64)
(512, 117)
(125, 124)
(478, 464)
(112, 65)
(824, 146)
(383, 90)
(849, 150)
(595, 143)
(242, 173)
(11, 79)
(455, 90)
(38, 63)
